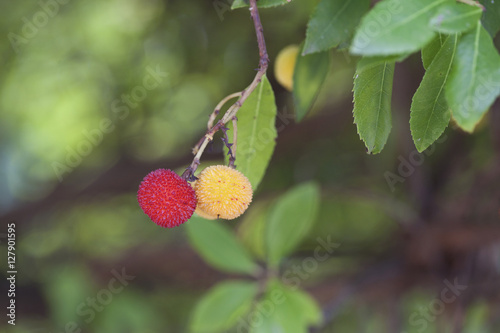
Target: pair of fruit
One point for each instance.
(219, 192)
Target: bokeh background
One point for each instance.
(95, 94)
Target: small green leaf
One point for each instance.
(223, 305)
(372, 102)
(474, 81)
(251, 230)
(260, 3)
(308, 77)
(286, 310)
(455, 18)
(309, 309)
(430, 113)
(430, 50)
(396, 27)
(219, 247)
(290, 220)
(491, 16)
(256, 133)
(333, 23)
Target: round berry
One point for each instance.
(285, 66)
(201, 213)
(166, 198)
(223, 192)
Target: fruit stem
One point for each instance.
(233, 110)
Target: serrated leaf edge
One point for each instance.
(441, 91)
(370, 150)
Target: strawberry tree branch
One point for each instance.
(233, 110)
(219, 107)
(213, 116)
(235, 142)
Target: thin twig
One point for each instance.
(219, 107)
(232, 159)
(233, 110)
(212, 118)
(263, 64)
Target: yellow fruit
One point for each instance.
(223, 192)
(203, 214)
(199, 211)
(285, 65)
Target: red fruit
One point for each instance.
(166, 198)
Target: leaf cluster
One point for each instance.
(235, 302)
(462, 65)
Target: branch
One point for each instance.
(233, 110)
(235, 142)
(219, 107)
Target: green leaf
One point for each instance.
(491, 16)
(251, 230)
(455, 18)
(396, 27)
(308, 77)
(260, 3)
(290, 220)
(372, 102)
(378, 60)
(430, 50)
(305, 304)
(223, 305)
(218, 246)
(430, 113)
(286, 311)
(474, 82)
(333, 23)
(256, 133)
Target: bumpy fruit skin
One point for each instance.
(223, 192)
(166, 198)
(285, 66)
(200, 212)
